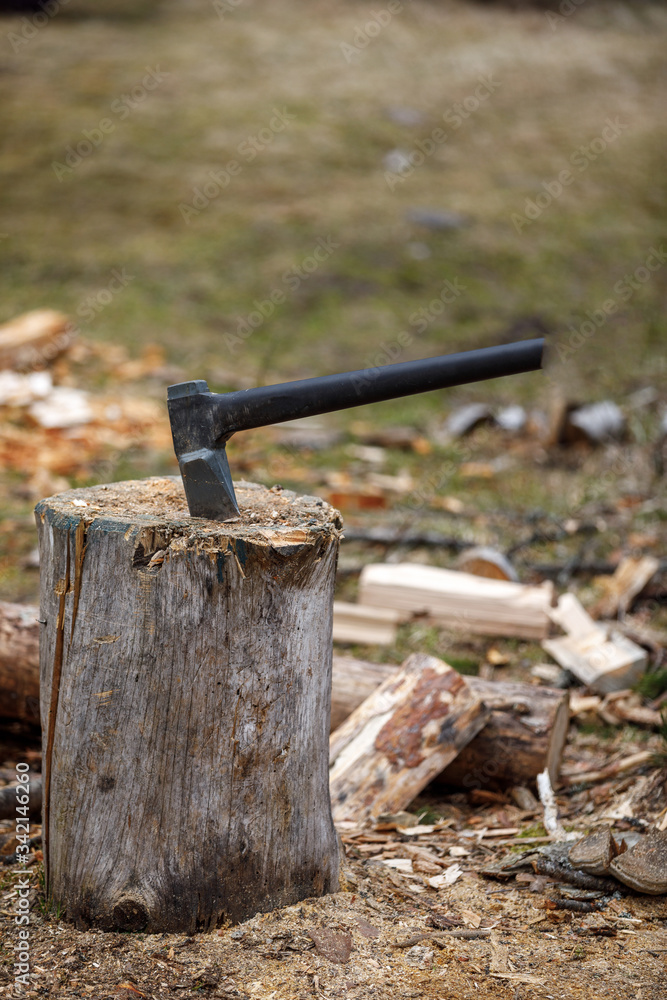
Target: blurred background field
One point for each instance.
(325, 117)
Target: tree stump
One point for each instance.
(185, 678)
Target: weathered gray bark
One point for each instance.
(186, 669)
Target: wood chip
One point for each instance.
(620, 766)
(451, 875)
(333, 945)
(34, 339)
(367, 930)
(519, 977)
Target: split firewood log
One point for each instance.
(525, 733)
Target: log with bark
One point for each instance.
(185, 669)
(8, 799)
(401, 737)
(525, 733)
(19, 662)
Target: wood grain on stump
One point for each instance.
(185, 687)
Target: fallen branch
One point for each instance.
(548, 866)
(412, 539)
(610, 771)
(443, 938)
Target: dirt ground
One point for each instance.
(388, 933)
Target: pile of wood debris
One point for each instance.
(464, 873)
(51, 428)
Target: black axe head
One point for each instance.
(202, 422)
(200, 450)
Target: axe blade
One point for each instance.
(208, 484)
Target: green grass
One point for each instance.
(322, 177)
(653, 684)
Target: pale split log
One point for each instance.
(19, 662)
(185, 699)
(397, 740)
(357, 623)
(525, 733)
(631, 576)
(459, 601)
(605, 661)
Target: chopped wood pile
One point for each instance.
(414, 731)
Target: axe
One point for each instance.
(202, 422)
